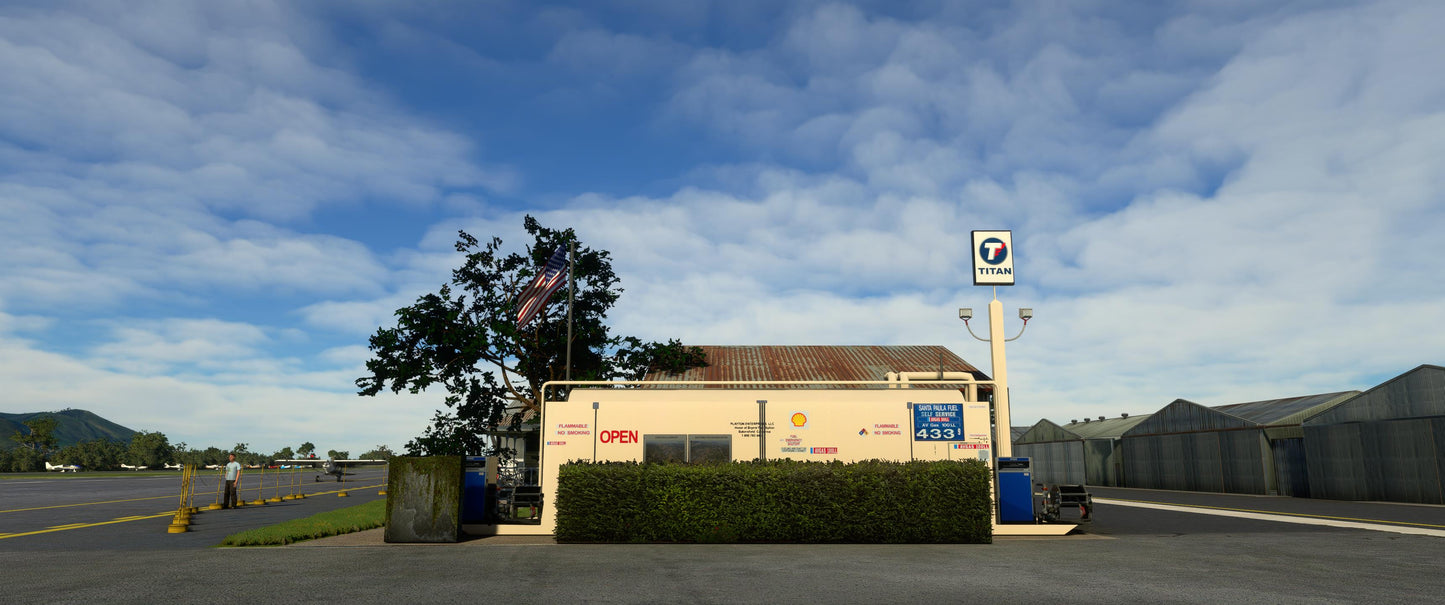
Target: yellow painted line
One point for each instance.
(136, 517)
(18, 510)
(82, 525)
(1275, 512)
(346, 489)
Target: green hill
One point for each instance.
(71, 427)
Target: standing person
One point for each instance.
(233, 481)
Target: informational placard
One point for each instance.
(937, 421)
(993, 258)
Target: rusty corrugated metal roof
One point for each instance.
(821, 362)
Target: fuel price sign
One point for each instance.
(937, 421)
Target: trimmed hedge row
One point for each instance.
(874, 501)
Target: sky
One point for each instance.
(207, 207)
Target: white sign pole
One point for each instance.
(1000, 376)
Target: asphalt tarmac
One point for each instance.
(120, 511)
(1127, 555)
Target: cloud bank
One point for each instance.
(1223, 203)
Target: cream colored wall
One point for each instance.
(840, 424)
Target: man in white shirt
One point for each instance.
(233, 481)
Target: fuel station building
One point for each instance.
(795, 402)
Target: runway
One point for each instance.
(124, 511)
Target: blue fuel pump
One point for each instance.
(1015, 490)
(474, 490)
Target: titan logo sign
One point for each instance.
(993, 251)
(993, 259)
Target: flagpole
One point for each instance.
(571, 285)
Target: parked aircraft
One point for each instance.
(329, 467)
(212, 467)
(64, 468)
(134, 468)
(174, 467)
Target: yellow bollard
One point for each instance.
(180, 522)
(276, 489)
(189, 471)
(220, 482)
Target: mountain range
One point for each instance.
(71, 427)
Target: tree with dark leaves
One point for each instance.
(40, 435)
(464, 338)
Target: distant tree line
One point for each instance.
(37, 445)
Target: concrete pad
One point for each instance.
(1046, 529)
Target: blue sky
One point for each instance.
(206, 208)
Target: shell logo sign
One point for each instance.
(799, 420)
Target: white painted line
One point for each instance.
(1399, 529)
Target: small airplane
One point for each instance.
(212, 467)
(174, 467)
(64, 468)
(330, 467)
(134, 468)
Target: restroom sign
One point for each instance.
(993, 258)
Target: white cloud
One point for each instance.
(266, 406)
(1262, 237)
(133, 139)
(150, 347)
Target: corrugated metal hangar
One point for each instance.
(1228, 448)
(1079, 452)
(1387, 443)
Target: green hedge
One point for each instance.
(873, 501)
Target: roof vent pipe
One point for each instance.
(967, 377)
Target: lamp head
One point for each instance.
(1026, 314)
(965, 314)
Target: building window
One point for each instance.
(694, 449)
(702, 449)
(664, 448)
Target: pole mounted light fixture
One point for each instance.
(966, 314)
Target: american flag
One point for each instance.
(534, 298)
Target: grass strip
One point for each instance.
(321, 525)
